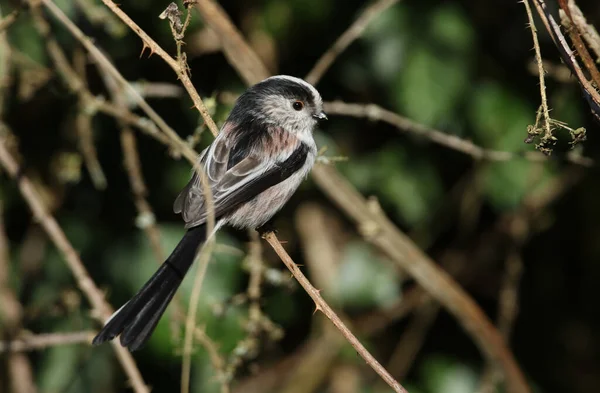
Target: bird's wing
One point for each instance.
(235, 185)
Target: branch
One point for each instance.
(146, 220)
(350, 35)
(376, 113)
(591, 94)
(173, 63)
(43, 341)
(190, 322)
(321, 305)
(538, 58)
(100, 309)
(588, 31)
(98, 56)
(20, 375)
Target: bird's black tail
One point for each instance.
(136, 320)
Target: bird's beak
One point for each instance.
(320, 116)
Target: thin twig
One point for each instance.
(257, 322)
(376, 113)
(190, 322)
(146, 219)
(43, 341)
(215, 357)
(143, 124)
(19, 367)
(100, 309)
(538, 59)
(183, 71)
(591, 93)
(321, 305)
(97, 54)
(588, 31)
(173, 63)
(83, 122)
(352, 33)
(580, 47)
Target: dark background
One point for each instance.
(463, 67)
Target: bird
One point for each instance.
(263, 152)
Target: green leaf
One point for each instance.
(443, 374)
(431, 85)
(436, 73)
(386, 37)
(451, 29)
(25, 38)
(59, 365)
(364, 280)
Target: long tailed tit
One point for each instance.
(264, 151)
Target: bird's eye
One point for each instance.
(298, 105)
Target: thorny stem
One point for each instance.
(548, 138)
(321, 305)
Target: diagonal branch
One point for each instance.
(376, 113)
(101, 309)
(112, 71)
(42, 341)
(155, 48)
(321, 305)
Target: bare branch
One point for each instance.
(173, 63)
(43, 341)
(548, 138)
(588, 31)
(21, 378)
(84, 128)
(190, 322)
(321, 305)
(376, 113)
(176, 142)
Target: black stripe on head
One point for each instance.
(284, 87)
